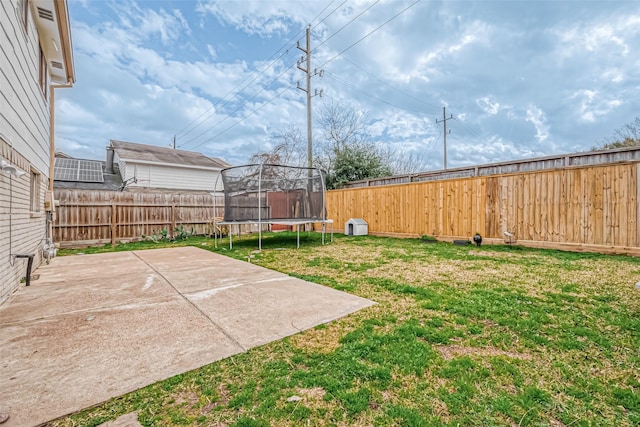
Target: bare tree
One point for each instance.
(342, 124)
(289, 149)
(343, 148)
(626, 136)
(402, 162)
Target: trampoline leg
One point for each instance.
(230, 239)
(298, 247)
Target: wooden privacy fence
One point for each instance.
(580, 206)
(85, 217)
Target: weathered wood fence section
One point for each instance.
(581, 206)
(85, 217)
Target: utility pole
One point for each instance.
(444, 120)
(174, 142)
(308, 74)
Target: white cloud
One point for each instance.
(596, 36)
(488, 105)
(511, 70)
(146, 23)
(265, 19)
(593, 104)
(613, 75)
(429, 59)
(536, 116)
(212, 51)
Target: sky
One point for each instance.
(519, 78)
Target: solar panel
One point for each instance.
(77, 170)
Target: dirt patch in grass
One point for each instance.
(310, 394)
(321, 340)
(495, 254)
(352, 254)
(449, 352)
(458, 272)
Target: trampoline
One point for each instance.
(271, 194)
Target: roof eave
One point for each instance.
(54, 32)
(176, 165)
(64, 27)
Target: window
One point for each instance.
(43, 74)
(35, 192)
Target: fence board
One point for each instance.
(585, 205)
(103, 216)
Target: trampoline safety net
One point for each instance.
(267, 192)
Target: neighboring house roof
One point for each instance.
(61, 155)
(144, 153)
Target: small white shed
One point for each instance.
(356, 227)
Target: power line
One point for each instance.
(454, 136)
(332, 12)
(332, 76)
(286, 88)
(348, 23)
(213, 109)
(210, 112)
(237, 109)
(370, 33)
(367, 94)
(390, 86)
(468, 129)
(433, 142)
(287, 45)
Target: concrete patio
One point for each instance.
(93, 327)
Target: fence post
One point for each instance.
(173, 221)
(637, 224)
(114, 223)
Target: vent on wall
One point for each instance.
(45, 14)
(56, 64)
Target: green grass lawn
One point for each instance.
(460, 335)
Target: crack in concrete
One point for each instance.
(215, 325)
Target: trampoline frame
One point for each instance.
(260, 221)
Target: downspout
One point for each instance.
(49, 248)
(52, 145)
(52, 148)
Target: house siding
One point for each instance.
(24, 141)
(122, 167)
(24, 109)
(172, 178)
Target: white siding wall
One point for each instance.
(122, 166)
(24, 140)
(24, 109)
(175, 178)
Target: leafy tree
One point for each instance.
(355, 162)
(626, 136)
(346, 151)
